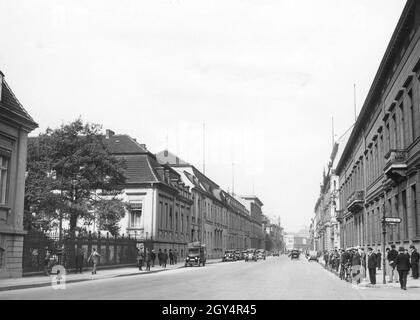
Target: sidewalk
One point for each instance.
(365, 283)
(43, 281)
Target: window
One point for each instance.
(161, 213)
(404, 214)
(2, 257)
(397, 214)
(402, 128)
(414, 210)
(166, 216)
(412, 116)
(170, 218)
(135, 214)
(4, 170)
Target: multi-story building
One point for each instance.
(160, 203)
(227, 220)
(379, 168)
(15, 124)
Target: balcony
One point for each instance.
(396, 164)
(356, 201)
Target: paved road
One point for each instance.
(274, 278)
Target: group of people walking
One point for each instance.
(149, 256)
(352, 264)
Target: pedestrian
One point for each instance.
(148, 259)
(342, 263)
(372, 264)
(47, 262)
(140, 258)
(153, 257)
(378, 259)
(392, 255)
(160, 257)
(326, 259)
(402, 262)
(363, 260)
(414, 260)
(175, 256)
(387, 265)
(94, 258)
(356, 264)
(79, 260)
(171, 257)
(164, 258)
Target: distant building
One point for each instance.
(15, 124)
(298, 240)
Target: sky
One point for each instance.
(250, 86)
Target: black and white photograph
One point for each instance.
(209, 151)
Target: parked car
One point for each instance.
(261, 254)
(229, 256)
(238, 255)
(251, 255)
(276, 254)
(313, 255)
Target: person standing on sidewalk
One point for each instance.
(94, 257)
(47, 262)
(372, 264)
(415, 257)
(363, 260)
(140, 258)
(160, 257)
(164, 258)
(175, 256)
(171, 257)
(378, 259)
(153, 257)
(148, 259)
(356, 264)
(392, 255)
(79, 260)
(402, 262)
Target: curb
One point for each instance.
(46, 284)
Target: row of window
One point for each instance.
(402, 127)
(403, 205)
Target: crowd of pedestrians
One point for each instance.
(148, 258)
(353, 264)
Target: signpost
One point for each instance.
(386, 221)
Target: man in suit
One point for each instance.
(415, 257)
(392, 255)
(372, 265)
(379, 259)
(356, 264)
(402, 262)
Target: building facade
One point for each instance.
(379, 168)
(15, 124)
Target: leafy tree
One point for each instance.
(66, 168)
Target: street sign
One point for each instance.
(392, 220)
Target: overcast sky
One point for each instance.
(265, 76)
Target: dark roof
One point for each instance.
(123, 144)
(138, 169)
(9, 102)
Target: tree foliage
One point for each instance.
(66, 168)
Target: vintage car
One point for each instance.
(229, 256)
(196, 254)
(251, 255)
(238, 255)
(313, 255)
(244, 254)
(261, 254)
(294, 254)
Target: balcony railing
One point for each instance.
(356, 201)
(396, 164)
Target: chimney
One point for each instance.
(1, 82)
(109, 133)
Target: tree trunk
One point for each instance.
(73, 225)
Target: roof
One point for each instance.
(123, 144)
(9, 102)
(138, 169)
(252, 197)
